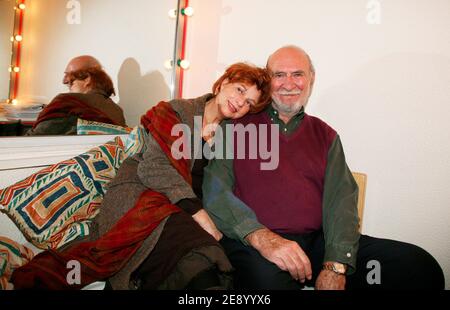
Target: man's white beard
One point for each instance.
(285, 109)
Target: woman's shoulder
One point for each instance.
(64, 95)
(190, 104)
(188, 108)
(68, 96)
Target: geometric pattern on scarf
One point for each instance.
(56, 204)
(12, 256)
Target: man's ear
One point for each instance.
(87, 82)
(313, 79)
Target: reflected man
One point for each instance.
(90, 89)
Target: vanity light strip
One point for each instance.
(19, 48)
(183, 50)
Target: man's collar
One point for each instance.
(273, 113)
(293, 123)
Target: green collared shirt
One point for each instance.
(293, 123)
(340, 216)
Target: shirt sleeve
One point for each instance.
(340, 214)
(156, 172)
(232, 216)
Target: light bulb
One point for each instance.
(184, 64)
(18, 38)
(22, 6)
(188, 11)
(168, 64)
(14, 101)
(12, 38)
(10, 69)
(173, 13)
(16, 69)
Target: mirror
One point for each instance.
(6, 31)
(133, 40)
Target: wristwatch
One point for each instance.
(335, 267)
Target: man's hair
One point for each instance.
(248, 74)
(99, 78)
(295, 47)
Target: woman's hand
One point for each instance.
(205, 222)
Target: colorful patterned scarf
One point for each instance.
(104, 257)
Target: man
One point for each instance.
(80, 63)
(90, 89)
(298, 224)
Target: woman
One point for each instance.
(152, 231)
(88, 98)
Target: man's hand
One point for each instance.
(329, 280)
(286, 254)
(205, 222)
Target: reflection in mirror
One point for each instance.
(6, 31)
(131, 39)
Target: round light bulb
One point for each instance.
(16, 69)
(184, 64)
(188, 11)
(173, 13)
(14, 101)
(18, 38)
(22, 6)
(168, 64)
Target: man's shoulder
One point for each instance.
(318, 122)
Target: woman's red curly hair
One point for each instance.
(100, 80)
(250, 75)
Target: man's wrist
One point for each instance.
(336, 267)
(254, 237)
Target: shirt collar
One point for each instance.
(293, 123)
(275, 114)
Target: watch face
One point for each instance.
(336, 267)
(339, 268)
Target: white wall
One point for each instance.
(384, 87)
(132, 39)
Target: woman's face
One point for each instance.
(235, 99)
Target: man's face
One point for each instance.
(291, 81)
(79, 63)
(71, 67)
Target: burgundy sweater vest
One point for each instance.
(289, 198)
